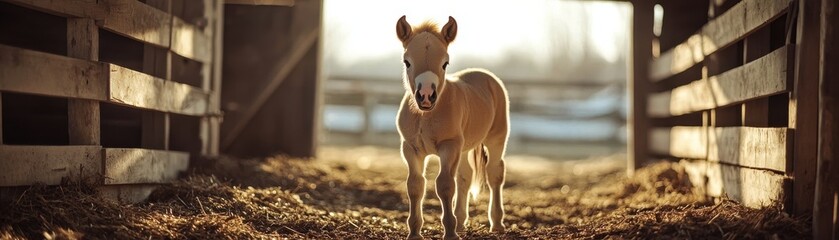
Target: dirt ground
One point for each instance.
(359, 193)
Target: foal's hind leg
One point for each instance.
(496, 174)
(464, 181)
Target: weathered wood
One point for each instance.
(803, 107)
(1, 118)
(751, 187)
(287, 3)
(49, 164)
(682, 142)
(135, 165)
(678, 59)
(825, 210)
(127, 194)
(755, 113)
(639, 85)
(83, 115)
(299, 49)
(765, 76)
(23, 71)
(739, 21)
(213, 137)
(137, 89)
(764, 148)
(77, 8)
(138, 21)
(190, 42)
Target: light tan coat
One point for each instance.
(463, 117)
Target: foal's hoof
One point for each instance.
(454, 237)
(416, 237)
(498, 229)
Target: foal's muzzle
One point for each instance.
(426, 97)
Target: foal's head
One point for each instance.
(426, 58)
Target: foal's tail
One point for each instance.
(478, 160)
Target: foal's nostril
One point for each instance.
(433, 96)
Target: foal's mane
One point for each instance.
(429, 26)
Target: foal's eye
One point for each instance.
(407, 64)
(445, 65)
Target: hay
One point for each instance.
(360, 194)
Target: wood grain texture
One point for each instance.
(138, 21)
(739, 21)
(23, 71)
(135, 165)
(27, 165)
(764, 148)
(762, 77)
(752, 187)
(137, 89)
(825, 225)
(190, 42)
(803, 108)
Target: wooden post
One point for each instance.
(83, 115)
(825, 225)
(213, 121)
(639, 84)
(157, 62)
(803, 109)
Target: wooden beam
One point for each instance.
(190, 42)
(803, 108)
(763, 148)
(639, 84)
(752, 187)
(825, 225)
(755, 113)
(765, 76)
(27, 165)
(678, 59)
(682, 142)
(213, 137)
(284, 67)
(77, 8)
(23, 71)
(83, 115)
(739, 21)
(287, 3)
(135, 165)
(137, 89)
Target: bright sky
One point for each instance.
(550, 34)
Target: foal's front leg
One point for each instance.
(449, 152)
(416, 188)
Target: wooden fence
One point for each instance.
(733, 94)
(119, 93)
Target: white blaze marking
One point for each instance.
(424, 82)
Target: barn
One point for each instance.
(127, 95)
(744, 96)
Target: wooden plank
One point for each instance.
(23, 71)
(803, 107)
(135, 165)
(752, 187)
(190, 42)
(765, 76)
(764, 148)
(137, 89)
(299, 49)
(639, 88)
(287, 3)
(127, 194)
(83, 115)
(739, 21)
(682, 142)
(76, 8)
(138, 21)
(213, 137)
(678, 59)
(825, 209)
(27, 165)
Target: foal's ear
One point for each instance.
(449, 30)
(403, 29)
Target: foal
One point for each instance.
(462, 118)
